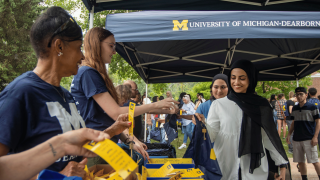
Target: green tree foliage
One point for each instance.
(203, 87)
(16, 53)
(69, 5)
(66, 82)
(123, 70)
(267, 88)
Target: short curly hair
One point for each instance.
(123, 92)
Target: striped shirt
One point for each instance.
(304, 121)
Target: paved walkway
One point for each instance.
(312, 174)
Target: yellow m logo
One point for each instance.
(183, 25)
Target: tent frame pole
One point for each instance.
(91, 18)
(145, 116)
(297, 82)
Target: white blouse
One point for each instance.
(224, 125)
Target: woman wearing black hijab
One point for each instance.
(242, 129)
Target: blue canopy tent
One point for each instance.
(193, 46)
(208, 5)
(211, 5)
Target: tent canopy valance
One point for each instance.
(208, 5)
(193, 46)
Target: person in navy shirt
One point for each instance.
(34, 108)
(314, 100)
(93, 90)
(313, 97)
(138, 119)
(306, 129)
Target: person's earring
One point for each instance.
(60, 53)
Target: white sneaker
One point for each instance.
(182, 146)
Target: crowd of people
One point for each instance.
(44, 126)
(300, 113)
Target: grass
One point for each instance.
(177, 143)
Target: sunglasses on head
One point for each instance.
(63, 27)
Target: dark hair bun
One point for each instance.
(45, 26)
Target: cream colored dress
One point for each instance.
(224, 125)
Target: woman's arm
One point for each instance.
(290, 109)
(189, 117)
(275, 155)
(109, 105)
(138, 146)
(213, 121)
(197, 105)
(27, 164)
(162, 111)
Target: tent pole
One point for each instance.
(107, 67)
(145, 116)
(297, 82)
(91, 17)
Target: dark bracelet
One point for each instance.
(283, 166)
(125, 141)
(130, 142)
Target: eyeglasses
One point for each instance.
(114, 46)
(300, 94)
(185, 96)
(63, 27)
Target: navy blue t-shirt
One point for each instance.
(87, 83)
(32, 111)
(315, 101)
(304, 121)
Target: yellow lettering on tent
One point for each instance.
(177, 25)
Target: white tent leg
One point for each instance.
(91, 17)
(145, 117)
(297, 82)
(107, 67)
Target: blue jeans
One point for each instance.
(153, 124)
(163, 136)
(275, 117)
(180, 121)
(289, 125)
(188, 132)
(149, 129)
